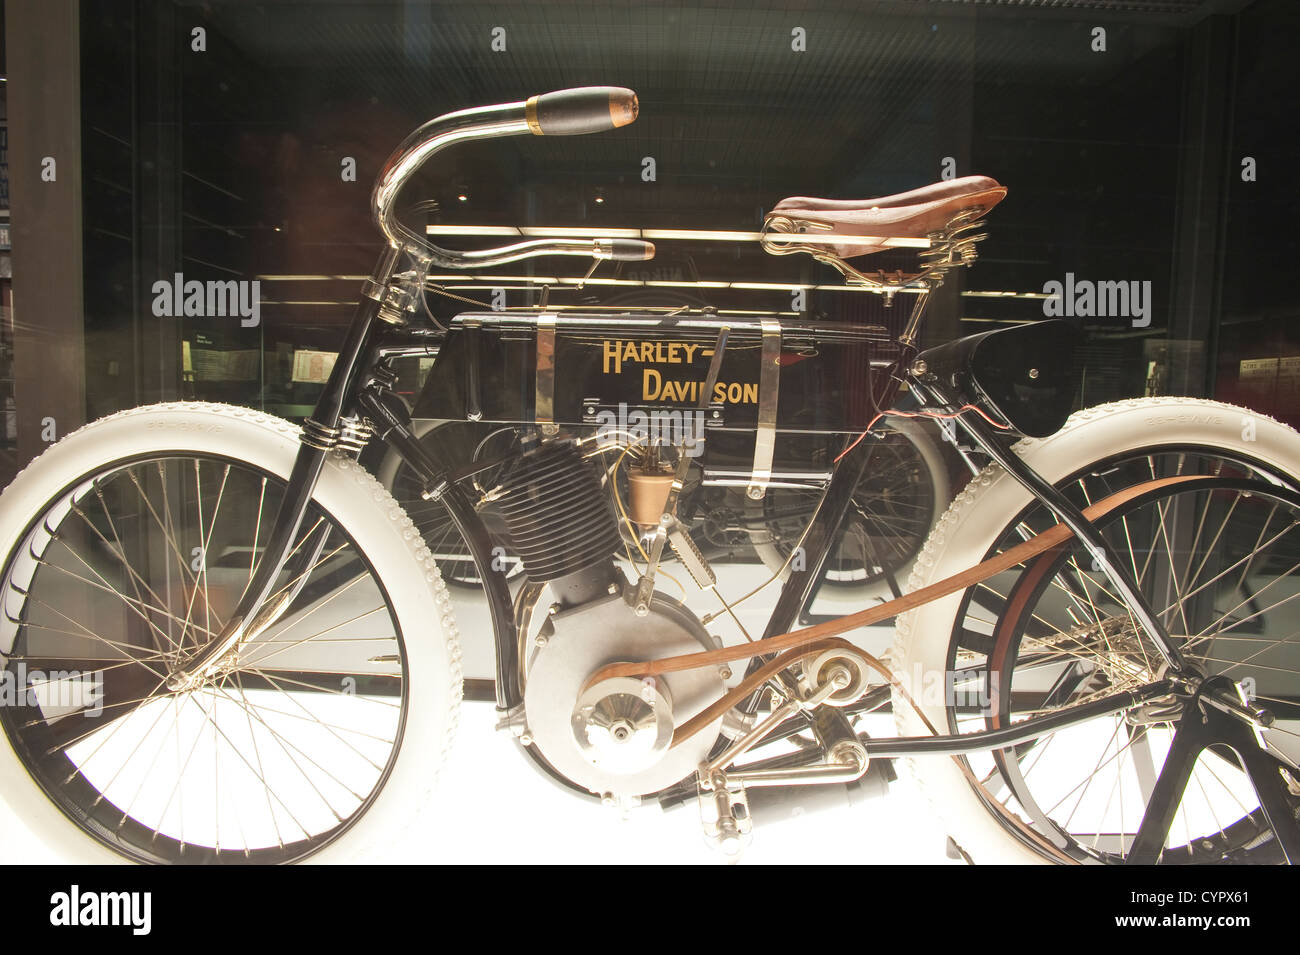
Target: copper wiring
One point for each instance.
(921, 414)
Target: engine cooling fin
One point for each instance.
(559, 517)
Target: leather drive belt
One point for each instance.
(799, 643)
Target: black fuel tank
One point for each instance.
(596, 364)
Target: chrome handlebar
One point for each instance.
(562, 113)
(618, 250)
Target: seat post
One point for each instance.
(913, 327)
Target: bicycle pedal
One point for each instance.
(728, 825)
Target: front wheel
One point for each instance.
(1213, 562)
(125, 548)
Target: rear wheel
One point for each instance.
(1220, 565)
(945, 645)
(128, 545)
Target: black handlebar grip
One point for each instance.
(626, 250)
(586, 109)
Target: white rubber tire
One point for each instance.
(359, 505)
(981, 514)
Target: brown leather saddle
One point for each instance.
(869, 224)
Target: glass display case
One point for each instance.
(855, 250)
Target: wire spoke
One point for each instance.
(1191, 538)
(242, 762)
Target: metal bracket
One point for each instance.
(544, 387)
(394, 302)
(769, 386)
(515, 722)
(473, 388)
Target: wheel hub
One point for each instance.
(623, 725)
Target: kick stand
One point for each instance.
(1203, 725)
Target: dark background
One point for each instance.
(1121, 165)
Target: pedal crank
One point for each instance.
(724, 805)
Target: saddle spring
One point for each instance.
(952, 247)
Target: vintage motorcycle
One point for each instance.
(225, 641)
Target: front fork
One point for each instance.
(261, 604)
